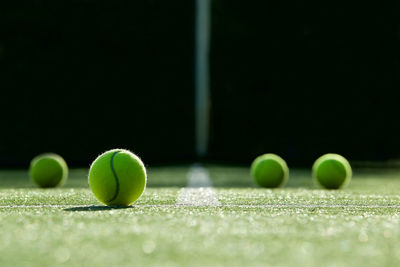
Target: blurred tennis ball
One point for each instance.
(117, 177)
(48, 170)
(332, 171)
(270, 170)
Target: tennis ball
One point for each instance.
(332, 171)
(48, 170)
(269, 170)
(117, 177)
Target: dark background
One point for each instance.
(297, 78)
(303, 78)
(82, 76)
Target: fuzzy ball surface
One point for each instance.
(117, 177)
(48, 170)
(332, 171)
(270, 171)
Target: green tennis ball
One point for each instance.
(48, 170)
(117, 177)
(270, 170)
(332, 171)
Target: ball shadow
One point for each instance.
(97, 208)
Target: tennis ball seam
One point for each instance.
(115, 177)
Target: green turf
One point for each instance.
(299, 225)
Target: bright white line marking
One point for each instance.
(198, 176)
(202, 196)
(198, 191)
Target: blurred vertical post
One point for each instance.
(201, 79)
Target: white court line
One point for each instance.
(311, 206)
(202, 76)
(198, 191)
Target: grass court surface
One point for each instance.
(298, 225)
